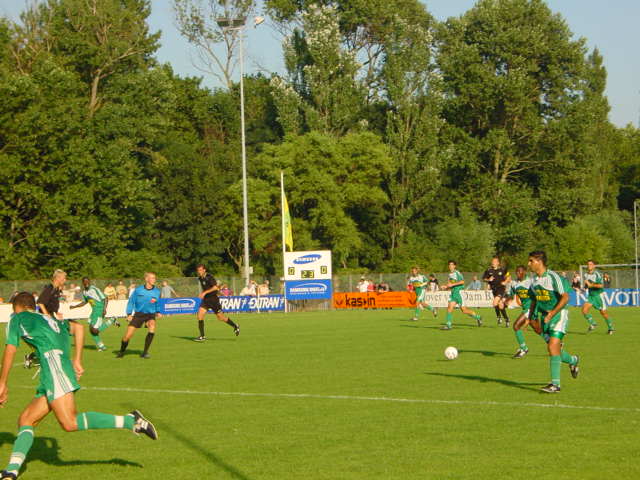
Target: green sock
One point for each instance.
(416, 314)
(589, 318)
(520, 339)
(449, 318)
(567, 358)
(98, 421)
(97, 339)
(106, 324)
(429, 307)
(554, 363)
(609, 323)
(22, 445)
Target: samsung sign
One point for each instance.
(308, 290)
(307, 259)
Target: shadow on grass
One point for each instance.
(487, 353)
(204, 451)
(209, 339)
(478, 378)
(129, 352)
(47, 450)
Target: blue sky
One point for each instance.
(610, 26)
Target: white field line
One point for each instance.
(361, 398)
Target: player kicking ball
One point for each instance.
(549, 298)
(210, 301)
(97, 321)
(58, 381)
(456, 284)
(419, 283)
(595, 298)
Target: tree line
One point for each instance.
(403, 140)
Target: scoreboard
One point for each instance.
(308, 275)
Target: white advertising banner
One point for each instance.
(115, 308)
(471, 298)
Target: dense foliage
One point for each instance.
(403, 140)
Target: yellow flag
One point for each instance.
(288, 231)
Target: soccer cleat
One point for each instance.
(435, 312)
(201, 338)
(8, 476)
(101, 348)
(591, 328)
(120, 354)
(236, 330)
(499, 321)
(479, 321)
(551, 388)
(520, 353)
(610, 331)
(31, 360)
(142, 425)
(115, 322)
(414, 319)
(575, 370)
(506, 324)
(145, 355)
(445, 327)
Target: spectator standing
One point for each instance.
(363, 285)
(606, 280)
(110, 292)
(249, 290)
(167, 290)
(263, 288)
(225, 291)
(121, 291)
(475, 284)
(371, 287)
(433, 283)
(132, 287)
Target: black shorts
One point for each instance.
(500, 291)
(140, 319)
(211, 303)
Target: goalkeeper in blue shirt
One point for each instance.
(143, 308)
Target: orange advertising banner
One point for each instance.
(374, 300)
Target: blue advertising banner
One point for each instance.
(308, 289)
(614, 297)
(265, 303)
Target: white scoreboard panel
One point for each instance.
(311, 265)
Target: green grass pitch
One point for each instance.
(348, 395)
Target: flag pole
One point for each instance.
(284, 245)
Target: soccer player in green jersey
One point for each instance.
(519, 290)
(455, 283)
(594, 282)
(419, 282)
(58, 381)
(97, 321)
(549, 297)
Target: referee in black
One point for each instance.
(210, 301)
(497, 277)
(49, 298)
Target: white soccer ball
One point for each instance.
(451, 353)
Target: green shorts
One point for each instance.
(421, 294)
(597, 300)
(96, 319)
(57, 377)
(456, 297)
(557, 326)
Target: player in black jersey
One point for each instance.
(210, 301)
(497, 277)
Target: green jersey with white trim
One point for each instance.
(40, 331)
(520, 288)
(418, 282)
(93, 296)
(547, 290)
(595, 277)
(455, 277)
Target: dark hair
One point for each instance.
(592, 261)
(539, 255)
(521, 267)
(85, 278)
(452, 261)
(201, 265)
(24, 299)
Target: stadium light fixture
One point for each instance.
(237, 25)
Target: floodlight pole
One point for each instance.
(237, 25)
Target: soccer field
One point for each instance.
(348, 395)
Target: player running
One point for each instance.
(97, 321)
(549, 297)
(519, 290)
(58, 381)
(210, 301)
(497, 277)
(419, 282)
(595, 297)
(145, 302)
(455, 283)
